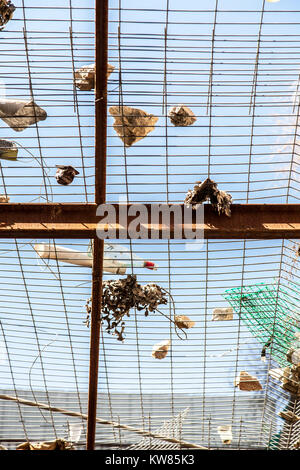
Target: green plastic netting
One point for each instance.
(269, 311)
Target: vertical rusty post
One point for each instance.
(101, 27)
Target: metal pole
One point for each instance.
(100, 192)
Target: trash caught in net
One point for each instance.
(132, 124)
(208, 191)
(183, 322)
(20, 114)
(247, 382)
(85, 76)
(65, 174)
(181, 116)
(120, 296)
(8, 150)
(160, 350)
(58, 444)
(7, 9)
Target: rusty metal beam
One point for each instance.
(265, 221)
(101, 53)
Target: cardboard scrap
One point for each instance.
(247, 382)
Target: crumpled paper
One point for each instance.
(58, 444)
(208, 191)
(7, 9)
(20, 114)
(160, 350)
(121, 295)
(132, 124)
(85, 76)
(182, 116)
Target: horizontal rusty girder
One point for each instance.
(54, 220)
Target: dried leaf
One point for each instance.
(208, 191)
(132, 124)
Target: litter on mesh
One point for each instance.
(289, 378)
(8, 150)
(222, 314)
(65, 174)
(85, 76)
(171, 428)
(7, 9)
(4, 199)
(58, 444)
(208, 191)
(183, 322)
(289, 416)
(182, 116)
(225, 434)
(132, 124)
(160, 350)
(269, 313)
(120, 296)
(247, 382)
(20, 114)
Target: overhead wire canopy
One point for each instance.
(132, 105)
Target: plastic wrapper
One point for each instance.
(8, 150)
(222, 314)
(225, 434)
(7, 9)
(85, 76)
(160, 350)
(132, 124)
(20, 114)
(247, 382)
(208, 191)
(182, 116)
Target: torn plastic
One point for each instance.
(225, 433)
(85, 76)
(8, 150)
(208, 191)
(132, 124)
(181, 116)
(222, 314)
(20, 114)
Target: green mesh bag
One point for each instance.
(270, 312)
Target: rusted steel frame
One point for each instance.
(248, 221)
(101, 46)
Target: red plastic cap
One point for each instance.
(150, 265)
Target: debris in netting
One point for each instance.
(121, 295)
(208, 191)
(225, 434)
(85, 76)
(160, 350)
(20, 114)
(132, 124)
(293, 354)
(222, 314)
(181, 116)
(183, 322)
(3, 448)
(58, 444)
(65, 174)
(4, 199)
(7, 9)
(264, 349)
(247, 382)
(289, 416)
(289, 378)
(8, 150)
(171, 428)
